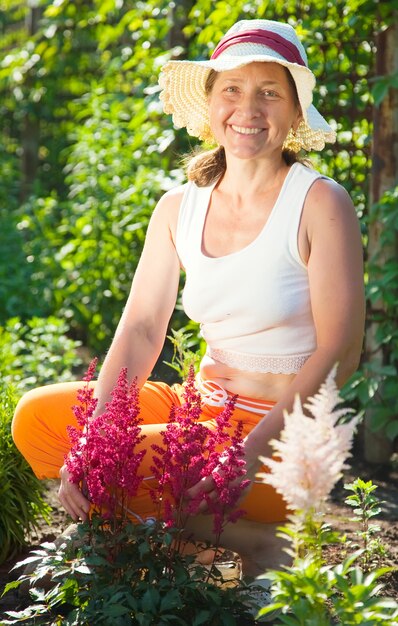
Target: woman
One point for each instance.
(273, 261)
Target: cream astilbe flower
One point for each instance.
(312, 451)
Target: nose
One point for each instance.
(248, 106)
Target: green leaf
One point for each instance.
(392, 430)
(201, 618)
(116, 610)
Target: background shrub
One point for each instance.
(37, 352)
(32, 353)
(22, 503)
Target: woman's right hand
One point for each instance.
(71, 497)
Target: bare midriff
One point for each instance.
(260, 385)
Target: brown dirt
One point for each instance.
(338, 515)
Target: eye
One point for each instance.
(269, 93)
(231, 89)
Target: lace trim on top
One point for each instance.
(289, 364)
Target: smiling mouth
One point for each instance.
(243, 130)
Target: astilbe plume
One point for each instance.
(104, 457)
(191, 451)
(312, 451)
(227, 475)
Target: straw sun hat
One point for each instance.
(248, 41)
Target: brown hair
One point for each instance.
(203, 167)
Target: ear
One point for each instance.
(297, 120)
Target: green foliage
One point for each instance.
(89, 77)
(183, 356)
(125, 578)
(382, 85)
(375, 384)
(36, 353)
(19, 294)
(312, 592)
(22, 505)
(309, 595)
(32, 353)
(366, 506)
(357, 600)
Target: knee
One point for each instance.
(24, 416)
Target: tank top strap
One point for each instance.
(191, 218)
(290, 207)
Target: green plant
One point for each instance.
(18, 296)
(36, 352)
(310, 594)
(375, 384)
(183, 355)
(366, 506)
(125, 578)
(356, 596)
(22, 504)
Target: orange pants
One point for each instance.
(42, 415)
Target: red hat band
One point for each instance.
(276, 42)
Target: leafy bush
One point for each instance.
(22, 504)
(17, 292)
(32, 353)
(314, 593)
(375, 384)
(126, 579)
(36, 353)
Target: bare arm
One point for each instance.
(142, 328)
(141, 332)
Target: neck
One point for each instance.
(252, 177)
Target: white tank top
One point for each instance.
(253, 305)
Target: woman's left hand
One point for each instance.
(208, 486)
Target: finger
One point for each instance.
(208, 499)
(73, 501)
(77, 511)
(205, 485)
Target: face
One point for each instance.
(252, 109)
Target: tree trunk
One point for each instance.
(377, 447)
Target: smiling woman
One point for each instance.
(272, 256)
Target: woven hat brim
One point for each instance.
(183, 95)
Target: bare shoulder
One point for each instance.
(170, 201)
(167, 209)
(327, 199)
(328, 206)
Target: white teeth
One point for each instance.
(246, 131)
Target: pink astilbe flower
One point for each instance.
(85, 396)
(227, 475)
(105, 456)
(312, 450)
(191, 451)
(77, 461)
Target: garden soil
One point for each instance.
(338, 515)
